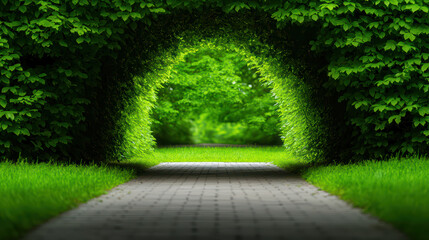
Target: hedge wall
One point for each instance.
(68, 68)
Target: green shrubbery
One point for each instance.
(69, 70)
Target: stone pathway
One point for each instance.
(215, 201)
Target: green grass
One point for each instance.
(223, 154)
(32, 193)
(396, 191)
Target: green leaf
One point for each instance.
(379, 108)
(80, 40)
(419, 121)
(329, 6)
(423, 111)
(25, 131)
(409, 149)
(3, 103)
(63, 43)
(68, 72)
(335, 75)
(360, 103)
(22, 9)
(13, 24)
(397, 119)
(390, 45)
(46, 23)
(10, 115)
(16, 131)
(413, 7)
(406, 47)
(409, 36)
(5, 89)
(157, 10)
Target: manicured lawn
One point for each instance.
(32, 193)
(222, 154)
(396, 191)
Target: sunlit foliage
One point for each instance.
(215, 97)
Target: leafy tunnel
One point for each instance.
(307, 112)
(78, 78)
(214, 97)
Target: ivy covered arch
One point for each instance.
(56, 60)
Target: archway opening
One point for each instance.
(215, 97)
(310, 117)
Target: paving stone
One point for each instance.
(215, 201)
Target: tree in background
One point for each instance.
(214, 97)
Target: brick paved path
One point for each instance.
(215, 201)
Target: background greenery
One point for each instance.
(215, 97)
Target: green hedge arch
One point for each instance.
(307, 124)
(54, 56)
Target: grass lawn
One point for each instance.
(396, 191)
(32, 193)
(222, 154)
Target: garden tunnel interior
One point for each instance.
(313, 125)
(213, 96)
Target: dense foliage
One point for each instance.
(307, 122)
(69, 69)
(214, 97)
